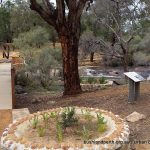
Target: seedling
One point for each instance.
(101, 123)
(102, 80)
(68, 117)
(41, 131)
(91, 80)
(53, 115)
(34, 122)
(85, 133)
(87, 115)
(59, 131)
(46, 118)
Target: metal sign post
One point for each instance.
(134, 85)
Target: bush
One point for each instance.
(102, 80)
(83, 80)
(91, 80)
(36, 37)
(22, 79)
(141, 59)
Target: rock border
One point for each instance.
(96, 86)
(119, 134)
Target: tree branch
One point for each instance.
(48, 16)
(80, 7)
(130, 39)
(60, 8)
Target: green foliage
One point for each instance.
(54, 115)
(36, 37)
(46, 117)
(35, 122)
(102, 126)
(23, 18)
(59, 130)
(85, 133)
(83, 80)
(68, 117)
(141, 58)
(87, 115)
(22, 79)
(91, 80)
(102, 80)
(41, 131)
(5, 29)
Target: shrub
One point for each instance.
(141, 59)
(83, 80)
(68, 117)
(35, 122)
(59, 128)
(102, 80)
(41, 131)
(91, 80)
(85, 133)
(36, 37)
(87, 115)
(101, 123)
(22, 79)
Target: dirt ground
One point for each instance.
(5, 119)
(113, 99)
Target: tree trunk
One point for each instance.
(91, 56)
(70, 64)
(125, 62)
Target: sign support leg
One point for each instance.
(137, 90)
(131, 91)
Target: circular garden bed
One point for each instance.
(67, 128)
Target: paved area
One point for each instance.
(5, 86)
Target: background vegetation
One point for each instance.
(101, 25)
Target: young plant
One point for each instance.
(102, 80)
(53, 115)
(85, 133)
(59, 130)
(41, 131)
(87, 115)
(91, 80)
(102, 126)
(46, 118)
(34, 122)
(68, 117)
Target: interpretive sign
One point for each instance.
(134, 85)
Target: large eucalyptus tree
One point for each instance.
(65, 18)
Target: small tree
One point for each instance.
(65, 18)
(120, 17)
(88, 44)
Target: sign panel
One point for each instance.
(134, 76)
